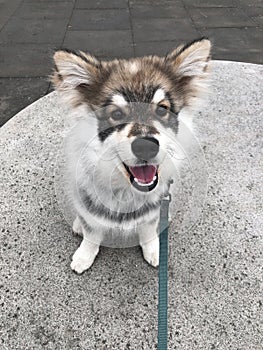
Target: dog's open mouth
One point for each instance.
(143, 177)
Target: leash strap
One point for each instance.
(163, 276)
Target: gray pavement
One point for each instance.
(30, 30)
(215, 269)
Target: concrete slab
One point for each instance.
(149, 12)
(26, 60)
(34, 31)
(155, 47)
(88, 41)
(174, 29)
(134, 3)
(24, 91)
(101, 4)
(215, 289)
(101, 19)
(45, 10)
(7, 8)
(216, 17)
(211, 3)
(248, 48)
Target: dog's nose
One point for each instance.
(145, 148)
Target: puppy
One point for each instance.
(119, 163)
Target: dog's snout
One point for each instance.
(145, 148)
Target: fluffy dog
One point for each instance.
(129, 114)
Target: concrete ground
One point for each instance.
(215, 269)
(30, 30)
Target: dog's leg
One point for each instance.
(84, 256)
(77, 227)
(149, 241)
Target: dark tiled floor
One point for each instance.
(163, 29)
(215, 17)
(102, 19)
(25, 60)
(7, 8)
(16, 93)
(98, 41)
(101, 4)
(31, 30)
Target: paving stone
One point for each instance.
(150, 12)
(253, 11)
(134, 3)
(211, 3)
(45, 10)
(220, 17)
(247, 37)
(101, 4)
(24, 92)
(25, 60)
(160, 48)
(45, 1)
(163, 29)
(110, 43)
(110, 19)
(247, 48)
(252, 3)
(33, 31)
(258, 20)
(248, 56)
(7, 8)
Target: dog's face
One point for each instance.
(136, 102)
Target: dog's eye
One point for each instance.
(117, 114)
(161, 111)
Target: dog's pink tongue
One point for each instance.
(144, 173)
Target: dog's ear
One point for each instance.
(74, 70)
(190, 65)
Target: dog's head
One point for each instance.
(137, 102)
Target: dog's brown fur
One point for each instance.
(91, 82)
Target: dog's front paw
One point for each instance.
(151, 252)
(84, 257)
(80, 265)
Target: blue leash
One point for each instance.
(163, 275)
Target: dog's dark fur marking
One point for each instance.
(172, 106)
(106, 129)
(102, 211)
(139, 129)
(84, 224)
(186, 46)
(84, 58)
(90, 92)
(171, 123)
(145, 95)
(108, 102)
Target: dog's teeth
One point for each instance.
(143, 184)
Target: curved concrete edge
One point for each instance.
(215, 297)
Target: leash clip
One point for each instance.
(168, 197)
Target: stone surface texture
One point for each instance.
(215, 269)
